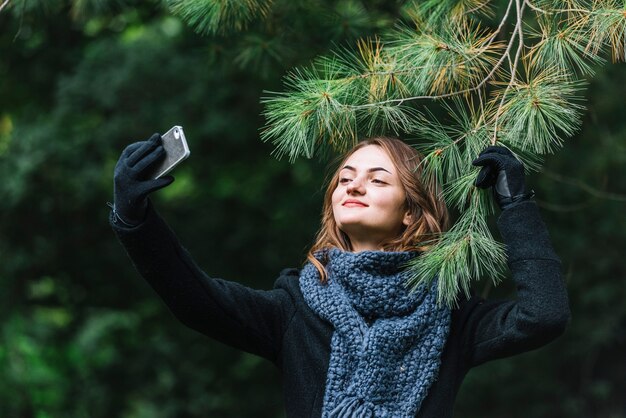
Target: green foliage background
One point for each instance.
(82, 336)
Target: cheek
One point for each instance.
(396, 203)
(336, 208)
(390, 200)
(336, 198)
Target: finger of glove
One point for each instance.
(143, 166)
(489, 159)
(496, 149)
(486, 177)
(165, 181)
(145, 148)
(156, 184)
(506, 160)
(130, 149)
(121, 170)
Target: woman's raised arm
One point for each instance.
(540, 312)
(251, 320)
(248, 319)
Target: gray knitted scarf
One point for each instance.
(387, 344)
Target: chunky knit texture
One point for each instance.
(387, 344)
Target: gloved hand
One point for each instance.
(501, 169)
(132, 180)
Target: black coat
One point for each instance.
(278, 325)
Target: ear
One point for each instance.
(408, 218)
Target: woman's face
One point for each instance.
(369, 200)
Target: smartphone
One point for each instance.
(176, 151)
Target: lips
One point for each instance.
(353, 203)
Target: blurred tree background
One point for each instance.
(81, 335)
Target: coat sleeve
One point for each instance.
(247, 319)
(539, 313)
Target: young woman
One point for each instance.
(348, 337)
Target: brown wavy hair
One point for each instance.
(423, 200)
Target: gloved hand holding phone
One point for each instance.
(133, 179)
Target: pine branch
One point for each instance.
(513, 66)
(349, 19)
(452, 146)
(607, 25)
(462, 255)
(562, 46)
(464, 92)
(312, 114)
(535, 111)
(220, 16)
(422, 11)
(522, 92)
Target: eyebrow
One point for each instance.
(371, 170)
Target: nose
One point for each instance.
(356, 187)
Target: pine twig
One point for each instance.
(480, 6)
(575, 11)
(537, 9)
(477, 87)
(502, 22)
(520, 46)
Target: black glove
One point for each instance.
(132, 181)
(502, 169)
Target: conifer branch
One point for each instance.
(502, 22)
(463, 92)
(478, 7)
(220, 16)
(462, 255)
(521, 92)
(535, 8)
(513, 66)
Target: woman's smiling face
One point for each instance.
(369, 200)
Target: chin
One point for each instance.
(354, 228)
(351, 222)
